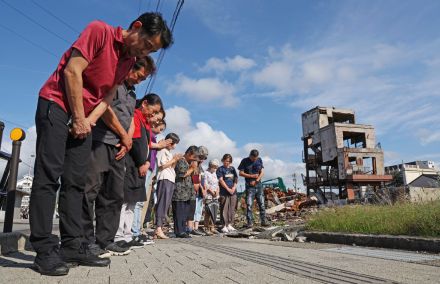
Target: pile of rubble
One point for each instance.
(288, 233)
(278, 201)
(287, 206)
(286, 212)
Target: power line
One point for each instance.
(56, 17)
(162, 51)
(29, 41)
(176, 14)
(34, 21)
(13, 123)
(157, 6)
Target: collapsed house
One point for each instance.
(340, 154)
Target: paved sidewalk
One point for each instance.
(225, 260)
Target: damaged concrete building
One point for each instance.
(340, 154)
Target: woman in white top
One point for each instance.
(166, 178)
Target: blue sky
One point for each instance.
(241, 72)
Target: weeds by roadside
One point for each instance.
(412, 219)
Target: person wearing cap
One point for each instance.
(211, 197)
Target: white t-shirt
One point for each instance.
(163, 157)
(211, 182)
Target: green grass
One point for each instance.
(412, 219)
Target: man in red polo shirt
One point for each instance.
(72, 99)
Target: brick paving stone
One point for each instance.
(177, 261)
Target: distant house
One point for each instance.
(427, 181)
(412, 170)
(24, 185)
(425, 188)
(421, 179)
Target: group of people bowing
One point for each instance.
(99, 148)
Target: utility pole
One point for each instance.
(294, 181)
(2, 127)
(30, 163)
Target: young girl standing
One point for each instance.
(228, 178)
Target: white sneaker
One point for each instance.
(225, 230)
(231, 229)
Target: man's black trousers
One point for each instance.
(104, 194)
(59, 157)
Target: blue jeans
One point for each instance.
(199, 209)
(137, 226)
(253, 192)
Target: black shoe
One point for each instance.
(82, 256)
(98, 251)
(248, 226)
(143, 239)
(183, 236)
(115, 249)
(133, 244)
(196, 233)
(201, 232)
(50, 263)
(265, 224)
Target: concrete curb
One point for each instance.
(382, 241)
(13, 242)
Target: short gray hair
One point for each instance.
(202, 152)
(214, 163)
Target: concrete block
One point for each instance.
(13, 242)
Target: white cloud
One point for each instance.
(428, 136)
(235, 64)
(279, 168)
(199, 133)
(276, 74)
(219, 143)
(178, 119)
(205, 90)
(362, 77)
(317, 72)
(216, 141)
